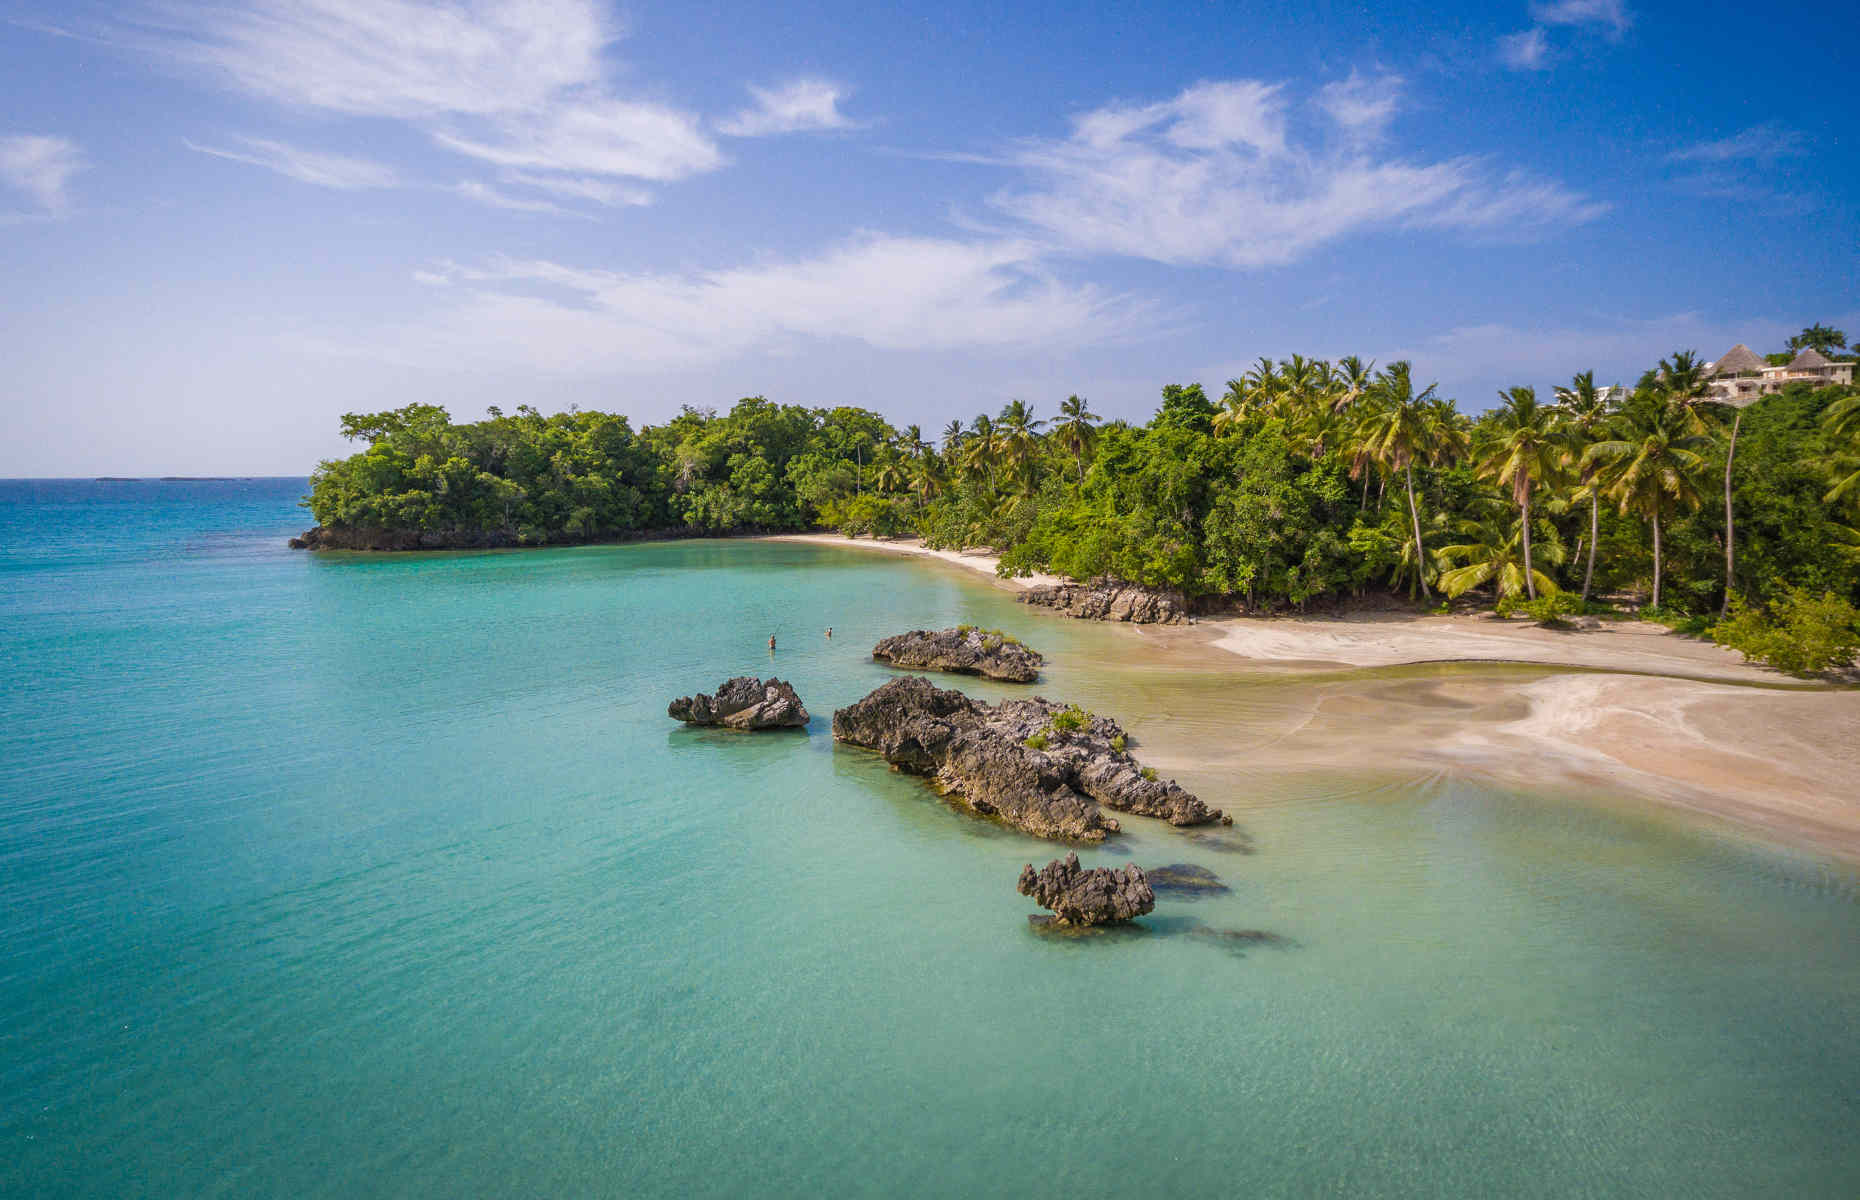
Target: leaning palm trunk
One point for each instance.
(1524, 515)
(1420, 553)
(1656, 558)
(1595, 519)
(1730, 524)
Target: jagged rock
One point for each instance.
(927, 730)
(743, 703)
(1098, 767)
(1110, 599)
(1099, 896)
(982, 754)
(963, 651)
(1185, 879)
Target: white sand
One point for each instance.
(975, 560)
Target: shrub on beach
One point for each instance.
(1800, 632)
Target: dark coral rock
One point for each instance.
(1110, 599)
(743, 703)
(1076, 896)
(963, 651)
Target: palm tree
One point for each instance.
(929, 477)
(1077, 430)
(1651, 463)
(912, 439)
(1522, 453)
(981, 446)
(1263, 382)
(1585, 417)
(1237, 407)
(952, 436)
(1400, 427)
(1020, 439)
(1490, 553)
(1842, 422)
(1820, 338)
(1351, 378)
(891, 474)
(1685, 383)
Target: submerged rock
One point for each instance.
(964, 650)
(1186, 879)
(1040, 767)
(743, 703)
(1102, 895)
(1110, 599)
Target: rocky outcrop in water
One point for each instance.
(743, 703)
(1103, 895)
(1038, 766)
(1110, 599)
(964, 650)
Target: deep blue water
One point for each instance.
(386, 875)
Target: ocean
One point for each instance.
(352, 875)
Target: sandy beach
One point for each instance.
(1635, 714)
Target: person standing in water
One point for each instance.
(771, 643)
(829, 633)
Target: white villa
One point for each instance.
(1741, 377)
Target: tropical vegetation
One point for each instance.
(1306, 482)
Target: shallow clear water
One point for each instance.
(388, 875)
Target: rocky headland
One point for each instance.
(964, 650)
(1110, 599)
(743, 703)
(1078, 897)
(1040, 767)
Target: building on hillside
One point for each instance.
(1740, 377)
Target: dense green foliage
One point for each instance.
(1306, 481)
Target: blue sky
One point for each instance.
(222, 225)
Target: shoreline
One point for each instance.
(1627, 713)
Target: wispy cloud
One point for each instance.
(338, 171)
(1221, 175)
(39, 168)
(1760, 144)
(491, 197)
(892, 293)
(574, 187)
(1362, 104)
(1526, 51)
(795, 107)
(1613, 14)
(517, 83)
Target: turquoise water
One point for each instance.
(388, 876)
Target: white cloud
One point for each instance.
(1612, 13)
(1760, 143)
(891, 293)
(576, 187)
(491, 197)
(39, 168)
(408, 59)
(602, 137)
(519, 83)
(1364, 105)
(1216, 176)
(804, 104)
(1526, 51)
(337, 171)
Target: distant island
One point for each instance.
(1719, 497)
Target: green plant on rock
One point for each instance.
(1118, 743)
(1037, 741)
(1148, 773)
(1071, 720)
